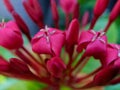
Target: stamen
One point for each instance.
(93, 32)
(52, 32)
(102, 33)
(103, 41)
(94, 38)
(118, 48)
(40, 36)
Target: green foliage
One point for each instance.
(13, 84)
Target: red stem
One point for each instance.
(67, 20)
(107, 26)
(93, 22)
(89, 75)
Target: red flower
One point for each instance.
(113, 52)
(56, 67)
(48, 41)
(10, 35)
(95, 43)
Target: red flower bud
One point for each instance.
(76, 11)
(85, 19)
(56, 67)
(23, 27)
(72, 34)
(8, 5)
(10, 35)
(113, 15)
(115, 12)
(68, 6)
(54, 12)
(100, 7)
(34, 11)
(48, 41)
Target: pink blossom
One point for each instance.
(48, 41)
(94, 43)
(10, 35)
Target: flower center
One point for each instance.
(47, 33)
(98, 36)
(2, 24)
(118, 49)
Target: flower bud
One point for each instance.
(76, 11)
(85, 19)
(100, 7)
(68, 6)
(21, 24)
(8, 5)
(72, 34)
(115, 12)
(56, 67)
(54, 12)
(34, 11)
(48, 41)
(10, 35)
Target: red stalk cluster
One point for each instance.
(54, 51)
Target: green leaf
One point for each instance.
(13, 84)
(91, 65)
(113, 87)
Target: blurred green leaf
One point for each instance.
(5, 53)
(91, 65)
(112, 32)
(13, 84)
(113, 87)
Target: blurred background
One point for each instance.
(85, 5)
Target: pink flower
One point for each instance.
(48, 41)
(68, 6)
(20, 22)
(94, 43)
(56, 67)
(113, 52)
(10, 35)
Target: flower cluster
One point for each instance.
(54, 51)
